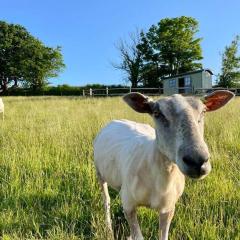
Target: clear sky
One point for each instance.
(88, 30)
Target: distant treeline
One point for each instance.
(60, 90)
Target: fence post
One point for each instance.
(90, 92)
(83, 93)
(130, 89)
(107, 91)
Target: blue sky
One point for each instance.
(88, 30)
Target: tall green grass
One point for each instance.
(48, 188)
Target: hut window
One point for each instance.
(187, 81)
(172, 83)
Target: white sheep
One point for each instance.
(2, 108)
(148, 166)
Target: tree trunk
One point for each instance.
(4, 84)
(134, 84)
(15, 82)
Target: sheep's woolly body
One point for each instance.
(127, 158)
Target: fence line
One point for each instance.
(152, 91)
(121, 91)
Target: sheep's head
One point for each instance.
(179, 124)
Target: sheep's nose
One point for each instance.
(195, 162)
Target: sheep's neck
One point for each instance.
(163, 163)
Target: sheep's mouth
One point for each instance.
(196, 176)
(193, 172)
(196, 173)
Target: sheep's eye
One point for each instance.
(159, 115)
(156, 114)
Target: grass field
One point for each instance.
(48, 188)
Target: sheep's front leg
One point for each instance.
(130, 213)
(165, 221)
(135, 230)
(106, 201)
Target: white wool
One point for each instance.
(124, 151)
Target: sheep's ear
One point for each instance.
(217, 99)
(139, 102)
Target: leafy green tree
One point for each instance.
(230, 71)
(172, 46)
(150, 75)
(26, 59)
